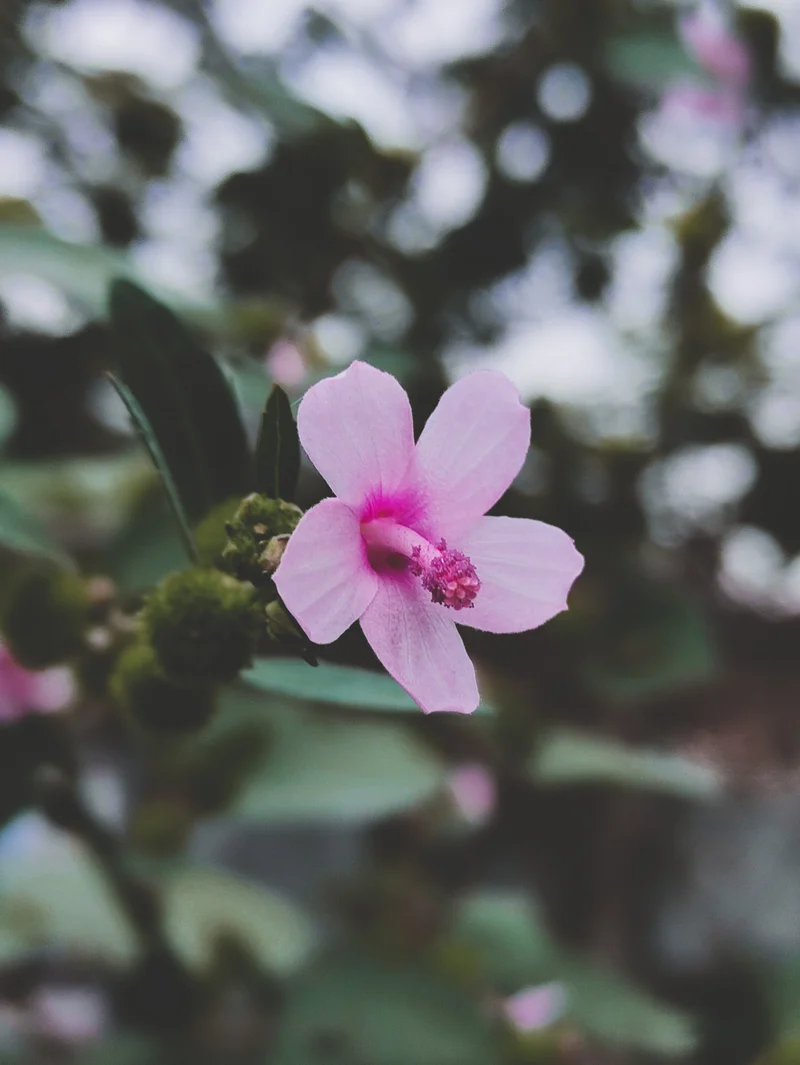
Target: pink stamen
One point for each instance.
(448, 575)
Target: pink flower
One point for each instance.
(535, 1007)
(22, 691)
(710, 42)
(473, 790)
(405, 548)
(285, 364)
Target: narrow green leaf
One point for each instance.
(357, 689)
(19, 531)
(149, 440)
(570, 757)
(185, 397)
(278, 448)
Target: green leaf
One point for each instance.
(650, 60)
(356, 1008)
(508, 937)
(357, 689)
(278, 449)
(8, 415)
(610, 1010)
(84, 271)
(19, 531)
(201, 905)
(150, 442)
(318, 768)
(564, 756)
(148, 546)
(516, 950)
(657, 641)
(53, 894)
(186, 399)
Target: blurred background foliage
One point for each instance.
(598, 197)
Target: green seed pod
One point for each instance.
(211, 534)
(203, 626)
(45, 614)
(254, 525)
(154, 701)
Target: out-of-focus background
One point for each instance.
(601, 198)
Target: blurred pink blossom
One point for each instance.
(23, 691)
(535, 1007)
(405, 548)
(708, 39)
(474, 794)
(74, 1016)
(285, 364)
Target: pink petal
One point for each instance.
(474, 793)
(535, 1007)
(471, 450)
(419, 646)
(53, 688)
(357, 430)
(526, 569)
(324, 577)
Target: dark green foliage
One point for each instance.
(45, 613)
(153, 700)
(278, 449)
(203, 626)
(185, 398)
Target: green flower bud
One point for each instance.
(211, 534)
(45, 614)
(257, 521)
(203, 626)
(153, 700)
(283, 629)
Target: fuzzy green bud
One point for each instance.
(203, 626)
(258, 521)
(211, 534)
(154, 701)
(45, 614)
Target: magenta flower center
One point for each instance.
(448, 575)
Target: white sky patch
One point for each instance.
(348, 85)
(523, 151)
(752, 567)
(751, 280)
(696, 488)
(574, 358)
(341, 338)
(35, 304)
(449, 184)
(173, 210)
(218, 140)
(564, 92)
(252, 27)
(687, 143)
(134, 35)
(541, 289)
(66, 213)
(361, 288)
(23, 163)
(644, 262)
(428, 33)
(190, 271)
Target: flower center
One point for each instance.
(448, 575)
